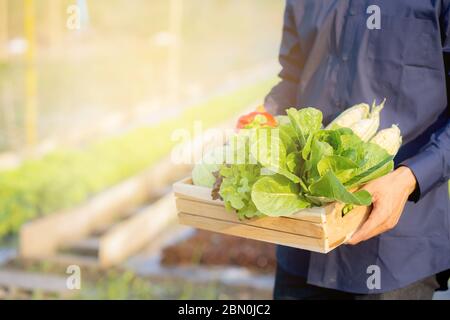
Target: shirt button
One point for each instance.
(352, 12)
(344, 57)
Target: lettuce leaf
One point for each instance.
(203, 172)
(298, 165)
(236, 186)
(268, 149)
(306, 122)
(330, 187)
(277, 196)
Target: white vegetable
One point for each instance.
(363, 121)
(389, 139)
(350, 116)
(367, 128)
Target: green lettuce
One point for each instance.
(297, 165)
(277, 196)
(203, 172)
(236, 187)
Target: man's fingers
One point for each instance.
(369, 224)
(388, 200)
(361, 233)
(369, 228)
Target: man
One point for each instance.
(335, 54)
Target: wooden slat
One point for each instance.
(341, 229)
(129, 236)
(33, 282)
(252, 232)
(42, 237)
(186, 190)
(316, 223)
(317, 215)
(85, 247)
(283, 224)
(66, 259)
(199, 199)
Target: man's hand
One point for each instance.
(389, 195)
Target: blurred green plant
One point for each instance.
(118, 286)
(67, 177)
(135, 71)
(125, 285)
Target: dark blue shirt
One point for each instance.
(332, 60)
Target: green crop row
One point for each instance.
(67, 177)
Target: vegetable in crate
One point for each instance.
(390, 139)
(256, 119)
(298, 164)
(203, 172)
(363, 121)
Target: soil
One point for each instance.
(213, 249)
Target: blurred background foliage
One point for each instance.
(123, 63)
(124, 80)
(91, 92)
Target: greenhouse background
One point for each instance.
(90, 95)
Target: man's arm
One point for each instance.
(283, 94)
(432, 165)
(417, 175)
(390, 192)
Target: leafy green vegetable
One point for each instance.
(305, 121)
(341, 166)
(288, 136)
(236, 187)
(277, 196)
(203, 173)
(270, 152)
(379, 170)
(347, 208)
(319, 149)
(298, 165)
(294, 162)
(330, 187)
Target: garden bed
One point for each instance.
(66, 178)
(213, 249)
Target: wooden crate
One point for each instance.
(315, 229)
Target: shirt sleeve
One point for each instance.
(283, 94)
(431, 165)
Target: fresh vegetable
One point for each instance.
(350, 116)
(358, 118)
(236, 187)
(389, 139)
(256, 119)
(298, 164)
(203, 175)
(277, 195)
(203, 172)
